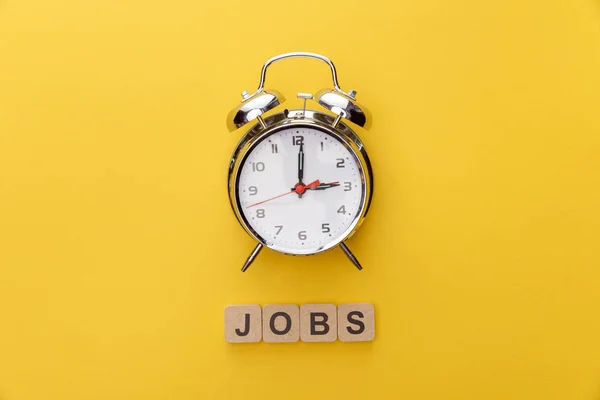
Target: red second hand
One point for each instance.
(297, 189)
(272, 198)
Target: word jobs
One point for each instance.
(282, 323)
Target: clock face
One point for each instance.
(300, 190)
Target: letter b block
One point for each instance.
(318, 322)
(356, 322)
(243, 323)
(281, 323)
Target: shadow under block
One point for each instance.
(281, 323)
(356, 322)
(243, 323)
(318, 322)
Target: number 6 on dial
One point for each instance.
(300, 181)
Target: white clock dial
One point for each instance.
(300, 216)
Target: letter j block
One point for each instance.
(243, 323)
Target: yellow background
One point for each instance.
(119, 251)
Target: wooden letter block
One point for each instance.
(356, 322)
(318, 322)
(243, 323)
(281, 323)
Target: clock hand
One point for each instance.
(298, 189)
(300, 164)
(272, 198)
(324, 186)
(300, 167)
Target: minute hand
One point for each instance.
(300, 164)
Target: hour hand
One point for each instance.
(324, 186)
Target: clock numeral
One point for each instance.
(297, 140)
(342, 210)
(302, 235)
(260, 213)
(253, 190)
(279, 228)
(274, 148)
(325, 228)
(347, 186)
(258, 166)
(321, 146)
(340, 162)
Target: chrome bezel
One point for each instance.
(311, 119)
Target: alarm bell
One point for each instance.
(343, 105)
(252, 107)
(335, 100)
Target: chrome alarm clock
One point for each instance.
(300, 181)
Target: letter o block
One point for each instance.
(318, 322)
(356, 322)
(243, 323)
(281, 323)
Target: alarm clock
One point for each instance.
(299, 180)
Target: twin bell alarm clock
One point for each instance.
(300, 181)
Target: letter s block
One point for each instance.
(356, 322)
(243, 323)
(318, 322)
(281, 323)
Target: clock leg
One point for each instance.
(350, 256)
(253, 255)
